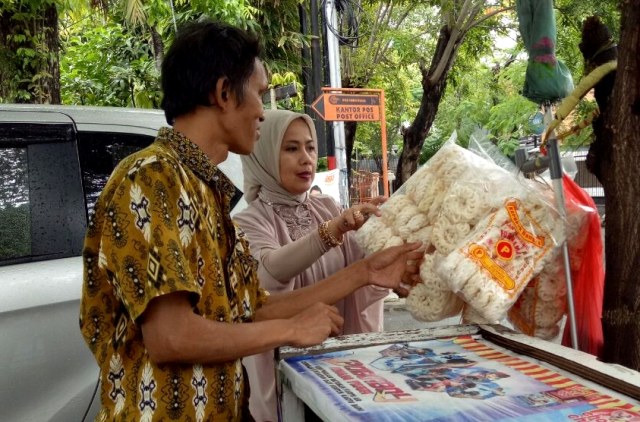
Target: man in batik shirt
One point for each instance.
(171, 301)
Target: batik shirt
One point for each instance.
(162, 225)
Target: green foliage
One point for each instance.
(278, 24)
(482, 98)
(26, 54)
(118, 44)
(236, 12)
(395, 35)
(401, 106)
(570, 14)
(295, 103)
(15, 231)
(323, 165)
(127, 75)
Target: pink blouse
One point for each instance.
(285, 264)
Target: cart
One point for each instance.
(452, 373)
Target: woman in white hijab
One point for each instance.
(298, 238)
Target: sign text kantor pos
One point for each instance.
(356, 105)
(348, 107)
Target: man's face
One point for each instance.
(244, 120)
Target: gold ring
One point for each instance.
(357, 214)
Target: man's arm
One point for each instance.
(386, 268)
(172, 332)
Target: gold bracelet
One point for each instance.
(326, 237)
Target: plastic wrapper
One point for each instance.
(539, 310)
(471, 316)
(587, 274)
(459, 203)
(432, 300)
(583, 233)
(493, 265)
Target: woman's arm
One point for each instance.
(387, 268)
(283, 262)
(278, 263)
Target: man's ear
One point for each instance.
(221, 94)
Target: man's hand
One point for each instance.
(397, 267)
(313, 325)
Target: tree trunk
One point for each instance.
(157, 47)
(350, 129)
(51, 82)
(7, 62)
(432, 92)
(30, 78)
(620, 176)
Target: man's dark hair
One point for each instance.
(202, 53)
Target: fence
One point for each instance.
(366, 179)
(364, 186)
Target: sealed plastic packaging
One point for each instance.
(492, 266)
(486, 234)
(584, 239)
(432, 300)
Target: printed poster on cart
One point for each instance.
(455, 379)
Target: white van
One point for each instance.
(54, 162)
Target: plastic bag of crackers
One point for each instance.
(486, 234)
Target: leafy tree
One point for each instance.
(29, 45)
(458, 19)
(401, 105)
(483, 97)
(278, 23)
(127, 75)
(393, 36)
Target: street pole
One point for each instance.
(335, 78)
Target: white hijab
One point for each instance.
(261, 168)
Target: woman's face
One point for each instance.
(298, 158)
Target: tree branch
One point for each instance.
(380, 54)
(453, 38)
(489, 15)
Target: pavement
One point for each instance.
(398, 318)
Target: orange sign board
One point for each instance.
(348, 107)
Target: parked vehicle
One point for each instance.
(54, 162)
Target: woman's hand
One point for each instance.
(353, 218)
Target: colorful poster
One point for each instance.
(455, 379)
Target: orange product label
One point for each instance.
(512, 209)
(479, 254)
(504, 249)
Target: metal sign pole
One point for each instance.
(555, 168)
(333, 48)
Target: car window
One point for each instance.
(99, 153)
(41, 194)
(15, 215)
